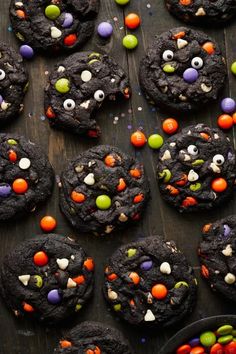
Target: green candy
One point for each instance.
(78, 307)
(197, 162)
(93, 61)
(166, 174)
(62, 85)
(195, 187)
(12, 142)
(103, 202)
(233, 68)
(155, 141)
(223, 330)
(117, 307)
(208, 339)
(131, 252)
(94, 54)
(52, 12)
(180, 283)
(168, 69)
(122, 2)
(130, 41)
(38, 281)
(225, 339)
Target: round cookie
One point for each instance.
(196, 168)
(53, 25)
(202, 12)
(77, 88)
(149, 283)
(93, 337)
(217, 256)
(48, 278)
(13, 83)
(26, 176)
(183, 70)
(103, 189)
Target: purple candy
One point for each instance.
(227, 230)
(1, 99)
(228, 105)
(26, 51)
(5, 190)
(105, 29)
(147, 265)
(68, 20)
(54, 297)
(194, 342)
(190, 75)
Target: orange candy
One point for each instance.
(184, 349)
(93, 351)
(182, 181)
(134, 277)
(205, 136)
(179, 35)
(234, 117)
(110, 161)
(209, 47)
(225, 121)
(219, 185)
(77, 197)
(170, 126)
(89, 264)
(27, 307)
(79, 280)
(206, 228)
(135, 173)
(138, 198)
(138, 139)
(20, 14)
(48, 223)
(132, 21)
(159, 291)
(65, 344)
(20, 186)
(204, 271)
(189, 201)
(122, 185)
(12, 156)
(112, 277)
(70, 40)
(185, 2)
(172, 190)
(50, 113)
(197, 350)
(40, 259)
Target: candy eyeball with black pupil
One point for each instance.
(99, 95)
(197, 63)
(2, 74)
(218, 159)
(168, 55)
(69, 104)
(192, 150)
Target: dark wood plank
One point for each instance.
(23, 337)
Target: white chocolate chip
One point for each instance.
(109, 229)
(228, 251)
(166, 156)
(123, 217)
(55, 32)
(215, 168)
(24, 163)
(86, 76)
(216, 136)
(183, 98)
(62, 263)
(172, 144)
(149, 317)
(149, 298)
(85, 104)
(71, 283)
(206, 88)
(164, 89)
(72, 257)
(200, 12)
(61, 69)
(79, 168)
(230, 278)
(19, 4)
(24, 279)
(89, 179)
(181, 43)
(192, 176)
(5, 105)
(112, 294)
(165, 268)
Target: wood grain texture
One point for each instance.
(24, 337)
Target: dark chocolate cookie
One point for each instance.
(202, 11)
(13, 83)
(196, 168)
(103, 189)
(48, 278)
(183, 70)
(217, 256)
(93, 338)
(53, 25)
(26, 176)
(149, 283)
(77, 88)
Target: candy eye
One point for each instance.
(2, 74)
(218, 159)
(197, 63)
(69, 104)
(192, 150)
(168, 55)
(99, 95)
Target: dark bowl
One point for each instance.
(194, 329)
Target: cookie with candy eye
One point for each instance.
(13, 83)
(78, 87)
(217, 256)
(103, 189)
(183, 70)
(202, 11)
(196, 168)
(149, 283)
(48, 278)
(26, 176)
(93, 338)
(53, 25)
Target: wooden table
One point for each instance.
(24, 337)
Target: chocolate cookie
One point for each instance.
(202, 12)
(93, 337)
(13, 83)
(26, 176)
(217, 256)
(149, 283)
(196, 168)
(103, 189)
(77, 88)
(48, 278)
(53, 25)
(183, 70)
